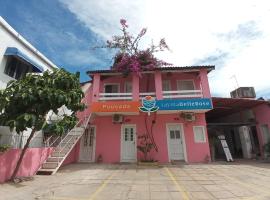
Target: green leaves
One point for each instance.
(26, 102)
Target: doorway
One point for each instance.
(87, 146)
(128, 143)
(175, 140)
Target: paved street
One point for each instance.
(92, 181)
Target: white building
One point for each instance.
(18, 57)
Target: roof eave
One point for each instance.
(163, 69)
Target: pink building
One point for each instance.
(168, 104)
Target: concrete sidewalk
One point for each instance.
(200, 181)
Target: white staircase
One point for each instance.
(62, 150)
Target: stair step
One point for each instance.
(45, 172)
(61, 151)
(57, 149)
(49, 165)
(57, 154)
(54, 159)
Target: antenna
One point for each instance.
(234, 77)
(237, 85)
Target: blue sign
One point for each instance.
(185, 104)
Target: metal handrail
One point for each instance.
(62, 148)
(87, 121)
(47, 141)
(54, 141)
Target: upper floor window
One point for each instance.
(128, 87)
(185, 85)
(111, 88)
(166, 85)
(16, 68)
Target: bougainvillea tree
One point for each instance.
(130, 58)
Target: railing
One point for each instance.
(115, 96)
(182, 94)
(166, 95)
(53, 141)
(122, 96)
(144, 94)
(66, 141)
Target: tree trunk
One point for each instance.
(22, 154)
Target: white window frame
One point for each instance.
(179, 81)
(169, 83)
(117, 84)
(125, 86)
(204, 134)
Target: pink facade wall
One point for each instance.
(73, 155)
(108, 138)
(262, 114)
(108, 135)
(32, 160)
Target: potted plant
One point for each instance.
(145, 146)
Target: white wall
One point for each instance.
(7, 39)
(18, 140)
(10, 38)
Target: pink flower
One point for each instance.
(123, 23)
(143, 31)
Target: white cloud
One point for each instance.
(236, 33)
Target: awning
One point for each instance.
(13, 51)
(227, 106)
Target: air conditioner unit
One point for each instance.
(116, 118)
(243, 92)
(189, 116)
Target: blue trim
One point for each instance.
(185, 104)
(13, 51)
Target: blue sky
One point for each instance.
(57, 33)
(232, 35)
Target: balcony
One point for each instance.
(122, 96)
(166, 95)
(161, 85)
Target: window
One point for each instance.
(199, 134)
(185, 85)
(129, 135)
(175, 134)
(128, 87)
(16, 68)
(111, 88)
(166, 85)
